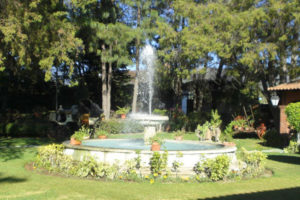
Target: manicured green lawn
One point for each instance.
(18, 183)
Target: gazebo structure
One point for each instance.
(288, 93)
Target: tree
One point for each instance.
(116, 37)
(36, 35)
(140, 19)
(105, 41)
(253, 40)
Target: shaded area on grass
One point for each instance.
(13, 148)
(9, 142)
(282, 194)
(285, 159)
(11, 179)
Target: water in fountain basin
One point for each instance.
(138, 144)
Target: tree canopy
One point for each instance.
(250, 45)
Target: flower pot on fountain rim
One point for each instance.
(78, 136)
(122, 111)
(101, 134)
(156, 142)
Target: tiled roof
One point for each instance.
(286, 86)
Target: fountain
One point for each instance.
(120, 150)
(112, 150)
(152, 123)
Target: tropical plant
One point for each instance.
(156, 139)
(201, 130)
(101, 132)
(215, 119)
(122, 110)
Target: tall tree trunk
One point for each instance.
(283, 70)
(104, 85)
(178, 90)
(265, 91)
(109, 77)
(137, 62)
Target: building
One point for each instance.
(288, 93)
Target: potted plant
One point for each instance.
(229, 144)
(101, 134)
(122, 111)
(78, 136)
(156, 142)
(179, 135)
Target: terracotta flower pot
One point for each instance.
(179, 138)
(229, 144)
(102, 137)
(75, 142)
(155, 146)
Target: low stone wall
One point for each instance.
(189, 158)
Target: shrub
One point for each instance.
(176, 163)
(178, 120)
(162, 112)
(52, 158)
(292, 111)
(114, 126)
(100, 132)
(2, 128)
(227, 134)
(28, 127)
(195, 118)
(273, 138)
(255, 162)
(158, 163)
(293, 147)
(215, 169)
(131, 126)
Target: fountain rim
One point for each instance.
(143, 116)
(224, 149)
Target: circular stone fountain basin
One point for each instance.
(119, 150)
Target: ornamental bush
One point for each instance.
(255, 162)
(114, 126)
(292, 111)
(273, 138)
(293, 147)
(215, 169)
(158, 162)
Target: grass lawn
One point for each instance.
(18, 183)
